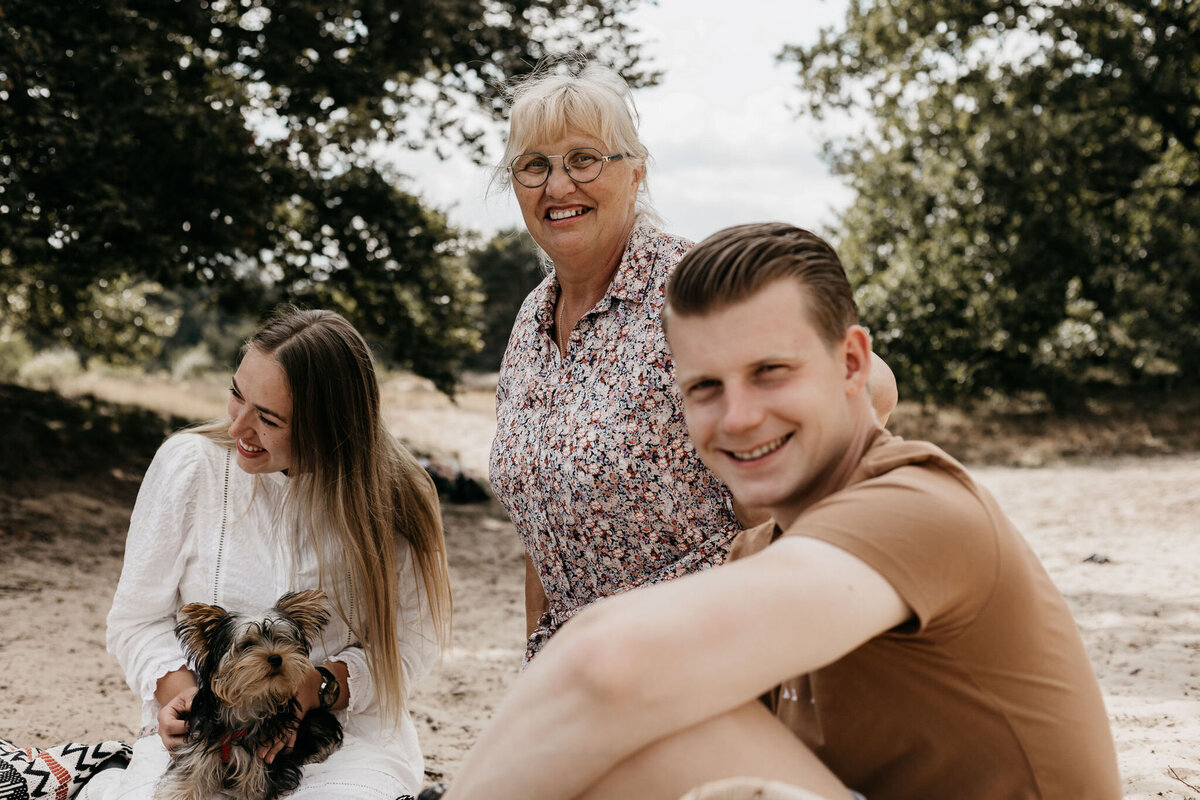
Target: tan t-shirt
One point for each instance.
(987, 693)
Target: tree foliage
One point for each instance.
(1027, 208)
(235, 146)
(509, 267)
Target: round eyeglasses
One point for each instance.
(582, 165)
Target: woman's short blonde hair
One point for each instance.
(572, 93)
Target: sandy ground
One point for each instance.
(1119, 536)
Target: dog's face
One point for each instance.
(253, 662)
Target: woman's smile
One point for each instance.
(582, 227)
(558, 214)
(260, 408)
(249, 450)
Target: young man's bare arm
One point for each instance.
(640, 666)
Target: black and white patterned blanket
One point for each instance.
(27, 773)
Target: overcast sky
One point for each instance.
(725, 144)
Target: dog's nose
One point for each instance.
(274, 659)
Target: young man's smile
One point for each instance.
(759, 452)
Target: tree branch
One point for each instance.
(1171, 771)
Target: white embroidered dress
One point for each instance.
(205, 531)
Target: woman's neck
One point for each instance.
(577, 297)
(583, 282)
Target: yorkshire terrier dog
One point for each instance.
(249, 670)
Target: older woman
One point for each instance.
(591, 456)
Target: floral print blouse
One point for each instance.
(591, 457)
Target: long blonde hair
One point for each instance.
(358, 490)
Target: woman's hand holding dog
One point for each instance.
(174, 691)
(172, 719)
(306, 699)
(268, 752)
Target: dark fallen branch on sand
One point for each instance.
(1171, 771)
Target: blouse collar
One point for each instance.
(630, 282)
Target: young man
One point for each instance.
(889, 633)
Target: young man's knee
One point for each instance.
(750, 788)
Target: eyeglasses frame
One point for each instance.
(563, 160)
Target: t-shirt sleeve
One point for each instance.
(927, 533)
(752, 540)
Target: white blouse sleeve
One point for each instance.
(141, 623)
(419, 648)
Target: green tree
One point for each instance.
(1027, 207)
(509, 266)
(235, 146)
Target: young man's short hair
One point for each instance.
(736, 263)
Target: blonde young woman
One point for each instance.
(301, 487)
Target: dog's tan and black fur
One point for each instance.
(248, 670)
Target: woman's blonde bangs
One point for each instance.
(596, 102)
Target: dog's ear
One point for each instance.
(194, 626)
(308, 609)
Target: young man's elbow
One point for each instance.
(607, 665)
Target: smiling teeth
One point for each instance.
(249, 447)
(575, 212)
(759, 452)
